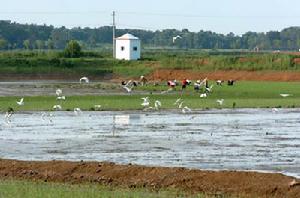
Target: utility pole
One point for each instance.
(114, 34)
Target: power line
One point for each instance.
(95, 12)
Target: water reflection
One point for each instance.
(248, 139)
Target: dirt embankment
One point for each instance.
(244, 184)
(162, 75)
(169, 74)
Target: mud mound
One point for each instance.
(163, 75)
(246, 184)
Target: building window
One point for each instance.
(122, 48)
(134, 48)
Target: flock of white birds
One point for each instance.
(128, 87)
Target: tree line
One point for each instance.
(31, 36)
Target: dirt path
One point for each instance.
(245, 184)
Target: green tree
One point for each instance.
(3, 44)
(39, 44)
(26, 44)
(73, 49)
(50, 44)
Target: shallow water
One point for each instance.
(245, 139)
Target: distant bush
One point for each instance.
(72, 50)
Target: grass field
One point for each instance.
(243, 94)
(100, 63)
(22, 189)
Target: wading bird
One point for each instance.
(220, 101)
(97, 107)
(186, 109)
(285, 95)
(157, 104)
(77, 111)
(21, 102)
(57, 107)
(84, 79)
(58, 92)
(177, 101)
(61, 98)
(146, 102)
(7, 117)
(128, 89)
(204, 95)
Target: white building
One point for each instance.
(128, 47)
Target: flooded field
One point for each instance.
(241, 139)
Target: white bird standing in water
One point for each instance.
(57, 107)
(21, 102)
(7, 117)
(85, 79)
(186, 109)
(157, 104)
(77, 111)
(61, 98)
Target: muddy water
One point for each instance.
(248, 139)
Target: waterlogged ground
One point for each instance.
(241, 139)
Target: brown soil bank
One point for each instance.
(162, 75)
(241, 184)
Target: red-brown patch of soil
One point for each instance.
(164, 74)
(244, 184)
(296, 60)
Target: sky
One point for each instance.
(221, 16)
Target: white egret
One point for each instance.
(285, 95)
(175, 38)
(58, 92)
(146, 102)
(157, 104)
(85, 79)
(77, 111)
(57, 107)
(97, 107)
(128, 89)
(21, 102)
(220, 101)
(186, 109)
(180, 105)
(61, 98)
(274, 110)
(177, 101)
(209, 89)
(7, 117)
(204, 95)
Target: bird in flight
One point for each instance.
(84, 79)
(285, 95)
(21, 102)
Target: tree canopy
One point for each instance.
(31, 36)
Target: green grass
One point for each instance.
(100, 63)
(243, 94)
(22, 189)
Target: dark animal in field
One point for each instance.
(230, 82)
